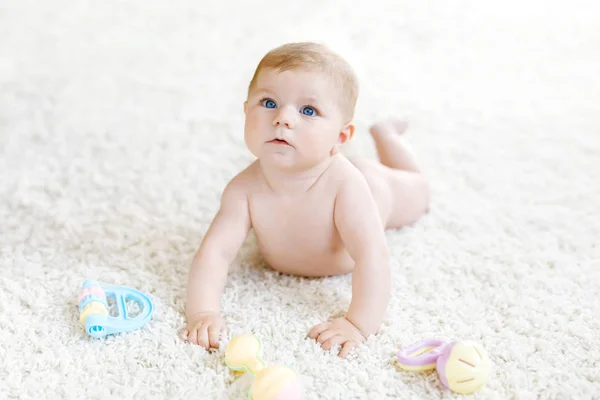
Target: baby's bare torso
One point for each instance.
(296, 233)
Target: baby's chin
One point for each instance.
(279, 159)
(291, 163)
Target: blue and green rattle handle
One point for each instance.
(93, 309)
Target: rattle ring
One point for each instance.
(463, 366)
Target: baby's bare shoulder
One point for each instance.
(244, 181)
(343, 172)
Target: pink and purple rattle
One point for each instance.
(463, 366)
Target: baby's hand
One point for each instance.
(204, 328)
(339, 331)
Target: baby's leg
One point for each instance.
(399, 188)
(392, 150)
(409, 189)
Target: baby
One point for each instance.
(314, 211)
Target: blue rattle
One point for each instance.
(93, 309)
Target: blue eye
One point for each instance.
(308, 111)
(268, 103)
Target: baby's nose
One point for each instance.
(285, 117)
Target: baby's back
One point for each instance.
(296, 233)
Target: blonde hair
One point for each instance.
(316, 57)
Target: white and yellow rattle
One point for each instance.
(463, 366)
(243, 353)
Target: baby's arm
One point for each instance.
(361, 229)
(208, 271)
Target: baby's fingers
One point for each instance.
(325, 336)
(183, 334)
(213, 334)
(334, 341)
(203, 336)
(318, 329)
(349, 345)
(193, 336)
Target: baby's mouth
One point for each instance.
(279, 141)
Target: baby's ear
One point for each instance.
(245, 106)
(345, 135)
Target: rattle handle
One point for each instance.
(254, 366)
(422, 353)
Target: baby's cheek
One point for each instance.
(253, 130)
(250, 126)
(250, 139)
(309, 146)
(323, 143)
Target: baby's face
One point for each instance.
(293, 118)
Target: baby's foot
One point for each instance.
(385, 128)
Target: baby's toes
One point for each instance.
(400, 125)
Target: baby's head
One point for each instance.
(304, 95)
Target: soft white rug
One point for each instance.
(121, 122)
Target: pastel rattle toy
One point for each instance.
(243, 353)
(93, 309)
(463, 366)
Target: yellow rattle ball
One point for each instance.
(243, 353)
